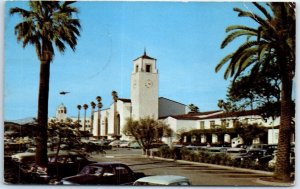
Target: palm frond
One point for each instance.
(263, 10)
(240, 27)
(235, 35)
(255, 17)
(60, 45)
(24, 13)
(242, 49)
(223, 61)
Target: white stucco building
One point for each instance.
(145, 101)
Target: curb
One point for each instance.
(270, 183)
(213, 165)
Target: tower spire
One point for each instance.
(145, 51)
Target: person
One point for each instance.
(208, 145)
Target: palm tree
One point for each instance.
(93, 105)
(85, 107)
(99, 105)
(46, 24)
(193, 108)
(115, 97)
(78, 119)
(273, 42)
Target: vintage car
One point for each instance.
(103, 173)
(162, 180)
(19, 157)
(235, 152)
(64, 164)
(261, 156)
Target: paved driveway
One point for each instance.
(199, 174)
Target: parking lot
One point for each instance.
(198, 174)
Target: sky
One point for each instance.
(184, 37)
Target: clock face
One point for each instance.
(148, 83)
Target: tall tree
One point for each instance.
(115, 97)
(78, 116)
(47, 24)
(93, 105)
(85, 107)
(272, 42)
(99, 105)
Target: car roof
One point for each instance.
(163, 179)
(235, 149)
(106, 163)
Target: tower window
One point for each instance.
(148, 68)
(136, 68)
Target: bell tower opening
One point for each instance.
(148, 68)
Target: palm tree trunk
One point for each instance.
(84, 121)
(41, 138)
(282, 169)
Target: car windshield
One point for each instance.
(91, 170)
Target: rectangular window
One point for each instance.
(202, 125)
(235, 122)
(212, 124)
(136, 68)
(148, 68)
(245, 121)
(223, 123)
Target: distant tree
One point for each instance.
(115, 98)
(62, 132)
(248, 132)
(226, 106)
(146, 131)
(93, 106)
(85, 107)
(255, 91)
(193, 108)
(99, 105)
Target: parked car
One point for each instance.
(103, 173)
(124, 144)
(65, 164)
(117, 143)
(19, 157)
(134, 144)
(216, 149)
(259, 155)
(233, 152)
(162, 180)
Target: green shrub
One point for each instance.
(165, 152)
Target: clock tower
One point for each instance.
(144, 88)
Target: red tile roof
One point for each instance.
(191, 116)
(195, 116)
(233, 114)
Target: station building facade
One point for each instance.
(145, 102)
